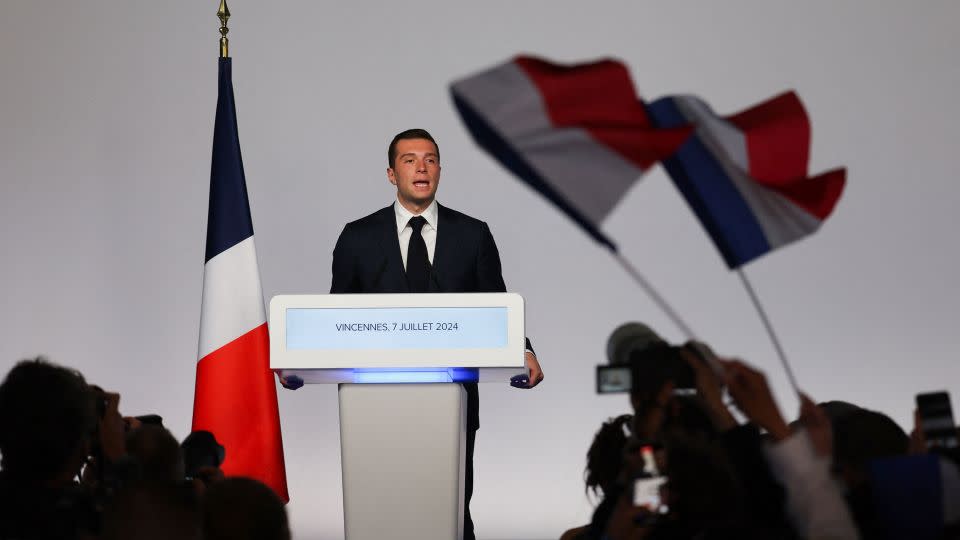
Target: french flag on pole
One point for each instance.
(235, 397)
(580, 135)
(745, 176)
(577, 134)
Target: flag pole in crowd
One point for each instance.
(657, 298)
(770, 331)
(745, 178)
(235, 396)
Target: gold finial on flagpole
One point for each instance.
(224, 13)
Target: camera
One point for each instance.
(614, 379)
(201, 449)
(641, 361)
(647, 370)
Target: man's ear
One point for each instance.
(391, 176)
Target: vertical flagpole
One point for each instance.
(769, 327)
(235, 397)
(654, 295)
(224, 14)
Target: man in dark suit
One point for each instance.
(417, 245)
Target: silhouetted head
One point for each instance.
(605, 454)
(243, 509)
(47, 419)
(158, 453)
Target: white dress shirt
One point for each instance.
(404, 230)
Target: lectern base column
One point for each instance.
(402, 454)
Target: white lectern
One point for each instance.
(402, 430)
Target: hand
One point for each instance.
(817, 423)
(206, 476)
(749, 390)
(648, 416)
(290, 382)
(918, 441)
(710, 389)
(536, 374)
(629, 522)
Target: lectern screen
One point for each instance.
(396, 328)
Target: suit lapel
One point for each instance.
(394, 277)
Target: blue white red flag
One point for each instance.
(235, 396)
(745, 176)
(577, 134)
(581, 136)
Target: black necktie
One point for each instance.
(418, 264)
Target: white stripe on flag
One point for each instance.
(232, 297)
(590, 176)
(780, 220)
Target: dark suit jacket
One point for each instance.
(367, 260)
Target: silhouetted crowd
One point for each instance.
(683, 465)
(705, 454)
(73, 467)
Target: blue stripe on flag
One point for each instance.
(711, 193)
(228, 220)
(492, 142)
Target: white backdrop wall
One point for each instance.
(106, 116)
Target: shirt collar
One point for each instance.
(403, 215)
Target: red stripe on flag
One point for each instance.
(778, 139)
(777, 132)
(236, 400)
(600, 98)
(817, 195)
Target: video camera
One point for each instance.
(640, 361)
(201, 450)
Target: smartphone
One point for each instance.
(614, 379)
(646, 493)
(646, 489)
(936, 420)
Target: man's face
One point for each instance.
(415, 172)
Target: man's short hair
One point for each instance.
(46, 413)
(408, 134)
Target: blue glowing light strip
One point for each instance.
(415, 376)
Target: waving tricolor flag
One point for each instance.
(581, 136)
(236, 397)
(745, 176)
